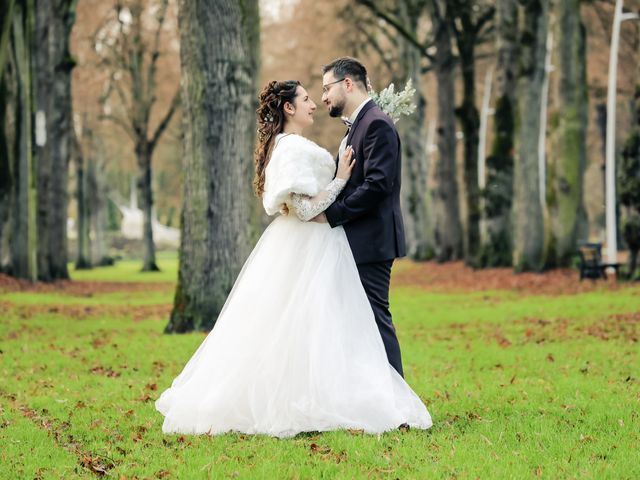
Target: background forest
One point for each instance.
(481, 182)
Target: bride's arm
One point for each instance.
(306, 207)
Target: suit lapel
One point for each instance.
(365, 108)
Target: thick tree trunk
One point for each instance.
(24, 237)
(498, 194)
(6, 17)
(414, 183)
(43, 98)
(6, 174)
(567, 161)
(528, 214)
(61, 133)
(6, 167)
(470, 121)
(414, 154)
(445, 200)
(146, 194)
(53, 124)
(219, 57)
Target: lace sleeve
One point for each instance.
(306, 207)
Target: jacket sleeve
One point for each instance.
(380, 157)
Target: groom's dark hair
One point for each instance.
(348, 67)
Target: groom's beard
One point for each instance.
(336, 110)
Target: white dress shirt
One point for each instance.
(352, 118)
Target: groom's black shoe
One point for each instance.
(404, 427)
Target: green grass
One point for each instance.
(129, 271)
(518, 386)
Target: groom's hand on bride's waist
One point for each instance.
(320, 218)
(284, 210)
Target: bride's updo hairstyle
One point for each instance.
(270, 123)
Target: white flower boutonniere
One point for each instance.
(395, 104)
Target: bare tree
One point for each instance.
(469, 20)
(219, 50)
(131, 50)
(436, 50)
(403, 62)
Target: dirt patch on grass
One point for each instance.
(82, 312)
(81, 288)
(455, 276)
(621, 326)
(445, 277)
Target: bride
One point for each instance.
(296, 347)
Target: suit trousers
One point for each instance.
(375, 278)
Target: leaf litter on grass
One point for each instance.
(467, 397)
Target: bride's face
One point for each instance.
(303, 108)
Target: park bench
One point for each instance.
(591, 265)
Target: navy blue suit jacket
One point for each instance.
(369, 206)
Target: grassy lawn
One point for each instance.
(519, 386)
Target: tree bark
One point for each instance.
(567, 161)
(445, 200)
(469, 117)
(219, 58)
(43, 74)
(6, 18)
(61, 133)
(24, 238)
(53, 123)
(6, 169)
(6, 174)
(146, 195)
(414, 154)
(529, 225)
(98, 196)
(83, 257)
(498, 194)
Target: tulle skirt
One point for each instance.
(295, 348)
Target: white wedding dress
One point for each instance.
(296, 347)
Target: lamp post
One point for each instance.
(610, 149)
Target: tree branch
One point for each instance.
(128, 129)
(484, 18)
(401, 29)
(166, 120)
(155, 52)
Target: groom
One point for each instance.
(369, 206)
